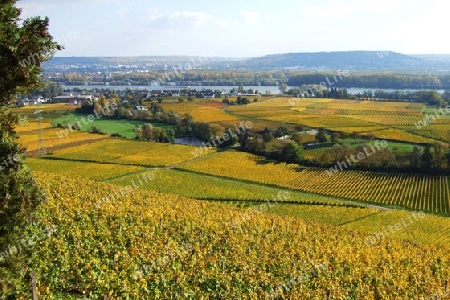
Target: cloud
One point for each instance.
(248, 16)
(181, 19)
(198, 18)
(172, 18)
(380, 6)
(335, 8)
(422, 33)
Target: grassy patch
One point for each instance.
(125, 128)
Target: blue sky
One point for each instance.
(235, 28)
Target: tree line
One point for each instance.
(427, 158)
(373, 80)
(430, 97)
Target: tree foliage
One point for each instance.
(22, 50)
(23, 47)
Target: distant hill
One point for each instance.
(348, 60)
(74, 60)
(361, 60)
(437, 62)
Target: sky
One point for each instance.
(240, 28)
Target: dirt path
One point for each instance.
(382, 208)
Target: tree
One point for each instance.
(242, 100)
(241, 88)
(170, 136)
(51, 89)
(254, 144)
(446, 95)
(320, 136)
(384, 158)
(292, 153)
(146, 133)
(267, 137)
(159, 135)
(427, 158)
(282, 87)
(23, 47)
(415, 157)
(447, 158)
(22, 50)
(228, 141)
(334, 137)
(297, 137)
(339, 152)
(438, 156)
(299, 127)
(344, 93)
(281, 131)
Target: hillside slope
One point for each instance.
(151, 245)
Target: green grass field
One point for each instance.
(125, 128)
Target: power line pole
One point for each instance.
(39, 118)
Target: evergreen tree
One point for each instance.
(23, 47)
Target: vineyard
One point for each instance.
(202, 112)
(388, 120)
(355, 112)
(51, 138)
(160, 247)
(31, 126)
(247, 171)
(215, 112)
(372, 117)
(314, 208)
(211, 227)
(329, 215)
(399, 135)
(315, 121)
(91, 171)
(200, 186)
(120, 151)
(427, 230)
(432, 131)
(419, 192)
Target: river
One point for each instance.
(273, 90)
